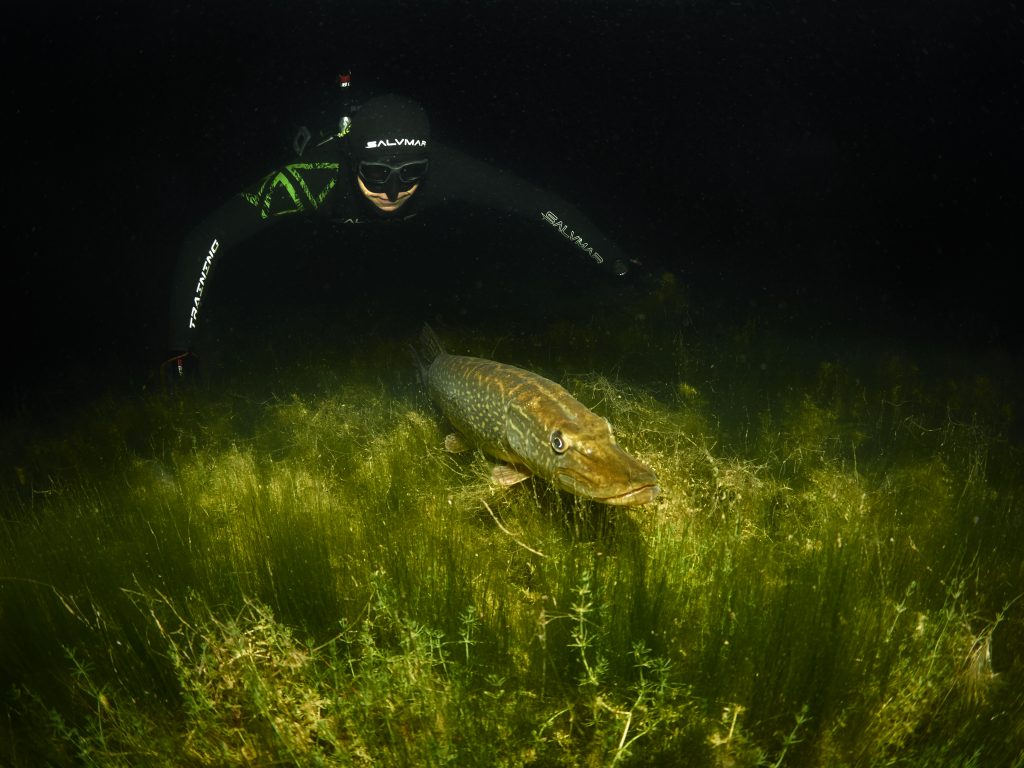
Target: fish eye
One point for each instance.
(558, 443)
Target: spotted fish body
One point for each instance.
(534, 425)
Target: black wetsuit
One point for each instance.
(321, 183)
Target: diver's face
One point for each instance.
(380, 199)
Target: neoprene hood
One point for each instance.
(390, 128)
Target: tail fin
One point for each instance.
(430, 348)
(430, 344)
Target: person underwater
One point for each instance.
(380, 166)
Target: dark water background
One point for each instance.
(830, 167)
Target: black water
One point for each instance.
(825, 166)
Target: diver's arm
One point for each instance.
(471, 180)
(232, 223)
(302, 188)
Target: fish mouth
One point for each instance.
(619, 495)
(634, 497)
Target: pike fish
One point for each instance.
(532, 424)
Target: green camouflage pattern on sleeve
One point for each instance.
(294, 188)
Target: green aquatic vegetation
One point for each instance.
(242, 577)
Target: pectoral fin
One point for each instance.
(456, 443)
(506, 474)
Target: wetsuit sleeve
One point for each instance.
(460, 177)
(300, 188)
(232, 223)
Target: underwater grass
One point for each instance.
(832, 576)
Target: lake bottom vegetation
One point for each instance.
(289, 569)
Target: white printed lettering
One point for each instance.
(552, 218)
(203, 273)
(396, 143)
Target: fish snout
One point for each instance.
(610, 476)
(637, 497)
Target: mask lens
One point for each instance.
(378, 174)
(374, 173)
(412, 172)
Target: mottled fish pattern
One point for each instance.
(534, 425)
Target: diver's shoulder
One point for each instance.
(456, 163)
(329, 149)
